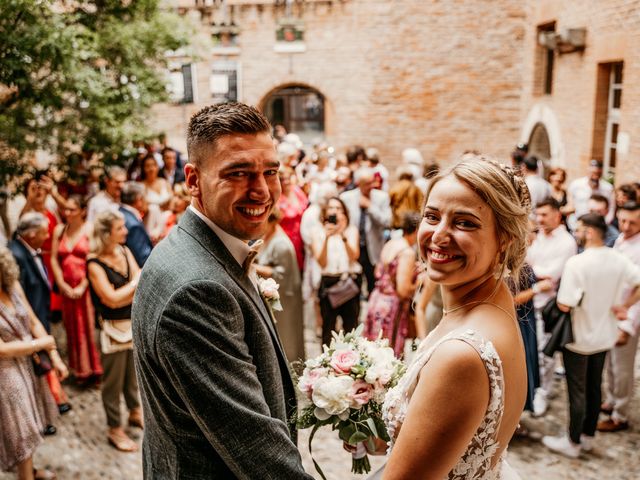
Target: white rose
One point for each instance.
(332, 394)
(269, 288)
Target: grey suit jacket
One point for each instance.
(214, 380)
(378, 218)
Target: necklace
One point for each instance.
(475, 302)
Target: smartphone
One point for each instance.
(332, 219)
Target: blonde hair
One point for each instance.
(102, 226)
(9, 271)
(506, 193)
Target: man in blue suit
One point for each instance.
(133, 206)
(31, 233)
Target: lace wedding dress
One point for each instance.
(476, 463)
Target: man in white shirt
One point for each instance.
(547, 255)
(107, 200)
(592, 284)
(581, 189)
(539, 189)
(621, 359)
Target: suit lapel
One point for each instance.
(33, 265)
(210, 241)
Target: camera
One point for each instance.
(332, 219)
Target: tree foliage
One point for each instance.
(80, 74)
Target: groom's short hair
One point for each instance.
(215, 121)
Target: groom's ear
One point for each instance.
(192, 180)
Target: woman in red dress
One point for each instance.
(292, 204)
(69, 264)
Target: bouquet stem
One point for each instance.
(360, 460)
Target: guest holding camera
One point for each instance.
(336, 248)
(26, 405)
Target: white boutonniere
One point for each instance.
(269, 291)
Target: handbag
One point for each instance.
(115, 336)
(343, 291)
(41, 362)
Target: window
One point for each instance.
(544, 59)
(613, 117)
(607, 115)
(181, 87)
(223, 82)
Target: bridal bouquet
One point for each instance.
(344, 387)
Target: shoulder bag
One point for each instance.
(115, 336)
(343, 291)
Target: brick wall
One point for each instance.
(443, 76)
(439, 76)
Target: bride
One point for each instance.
(454, 412)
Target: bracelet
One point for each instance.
(536, 289)
(33, 345)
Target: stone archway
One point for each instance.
(300, 108)
(539, 145)
(541, 130)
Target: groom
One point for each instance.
(214, 379)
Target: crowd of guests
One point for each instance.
(343, 236)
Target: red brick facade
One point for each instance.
(439, 76)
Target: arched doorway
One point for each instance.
(299, 108)
(539, 146)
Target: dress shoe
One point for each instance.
(611, 425)
(49, 430)
(64, 408)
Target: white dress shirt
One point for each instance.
(580, 191)
(101, 202)
(539, 189)
(239, 249)
(547, 256)
(631, 248)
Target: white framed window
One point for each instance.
(613, 117)
(182, 84)
(225, 81)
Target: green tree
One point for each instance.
(80, 75)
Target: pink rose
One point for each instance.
(361, 393)
(343, 360)
(309, 379)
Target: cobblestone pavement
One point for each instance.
(79, 450)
